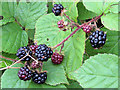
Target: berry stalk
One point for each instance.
(18, 61)
(80, 26)
(71, 20)
(8, 58)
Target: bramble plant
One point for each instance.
(59, 44)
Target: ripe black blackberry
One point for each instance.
(43, 52)
(87, 28)
(57, 9)
(22, 52)
(39, 78)
(97, 39)
(33, 48)
(25, 73)
(57, 58)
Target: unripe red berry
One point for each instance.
(56, 58)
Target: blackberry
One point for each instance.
(57, 58)
(39, 78)
(33, 48)
(22, 52)
(43, 52)
(24, 73)
(87, 28)
(61, 24)
(57, 9)
(97, 39)
(35, 65)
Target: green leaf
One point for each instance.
(71, 8)
(74, 50)
(49, 33)
(13, 37)
(98, 7)
(28, 13)
(110, 21)
(111, 45)
(6, 20)
(4, 61)
(50, 6)
(83, 13)
(55, 74)
(114, 9)
(33, 85)
(8, 9)
(73, 84)
(119, 74)
(31, 33)
(0, 39)
(12, 79)
(100, 71)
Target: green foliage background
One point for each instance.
(83, 66)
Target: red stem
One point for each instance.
(71, 20)
(61, 48)
(8, 58)
(80, 26)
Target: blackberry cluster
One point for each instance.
(57, 58)
(87, 28)
(43, 52)
(33, 48)
(39, 78)
(22, 52)
(24, 73)
(97, 39)
(57, 9)
(35, 65)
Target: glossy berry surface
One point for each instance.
(97, 39)
(87, 28)
(24, 73)
(57, 9)
(57, 58)
(35, 65)
(39, 78)
(43, 52)
(22, 52)
(33, 48)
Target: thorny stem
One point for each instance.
(80, 26)
(71, 20)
